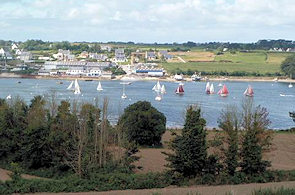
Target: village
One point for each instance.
(85, 64)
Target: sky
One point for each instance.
(147, 21)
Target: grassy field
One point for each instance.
(260, 62)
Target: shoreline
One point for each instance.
(141, 78)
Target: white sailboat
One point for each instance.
(211, 89)
(163, 89)
(157, 87)
(124, 96)
(207, 90)
(99, 87)
(158, 97)
(70, 87)
(77, 88)
(8, 97)
(290, 85)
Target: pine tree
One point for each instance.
(229, 123)
(189, 155)
(255, 125)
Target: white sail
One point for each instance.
(246, 91)
(290, 85)
(99, 87)
(124, 96)
(158, 97)
(154, 88)
(207, 87)
(77, 88)
(70, 86)
(211, 89)
(163, 90)
(8, 97)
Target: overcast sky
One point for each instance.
(147, 20)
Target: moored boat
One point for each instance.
(77, 88)
(179, 90)
(223, 92)
(99, 87)
(207, 89)
(249, 91)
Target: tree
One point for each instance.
(255, 139)
(288, 66)
(143, 123)
(229, 123)
(35, 147)
(189, 155)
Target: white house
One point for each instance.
(120, 55)
(14, 46)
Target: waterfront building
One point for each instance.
(64, 55)
(99, 57)
(25, 56)
(106, 47)
(120, 55)
(165, 54)
(150, 55)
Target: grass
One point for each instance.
(269, 191)
(258, 61)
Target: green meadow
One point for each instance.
(259, 62)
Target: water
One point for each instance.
(267, 94)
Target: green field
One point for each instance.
(258, 62)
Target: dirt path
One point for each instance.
(4, 175)
(282, 157)
(204, 190)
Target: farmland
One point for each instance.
(261, 62)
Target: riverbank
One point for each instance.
(143, 78)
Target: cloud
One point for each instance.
(160, 20)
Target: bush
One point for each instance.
(143, 124)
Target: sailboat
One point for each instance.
(223, 92)
(207, 90)
(158, 97)
(77, 88)
(219, 85)
(163, 89)
(99, 87)
(70, 87)
(8, 97)
(179, 90)
(249, 91)
(157, 87)
(290, 85)
(124, 96)
(211, 89)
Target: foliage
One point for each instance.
(288, 66)
(101, 182)
(190, 149)
(255, 122)
(271, 191)
(116, 70)
(143, 124)
(229, 123)
(54, 142)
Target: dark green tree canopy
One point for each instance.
(288, 66)
(143, 123)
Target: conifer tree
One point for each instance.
(229, 123)
(255, 125)
(189, 155)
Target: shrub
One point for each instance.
(143, 124)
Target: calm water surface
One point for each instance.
(173, 106)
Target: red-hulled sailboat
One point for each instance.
(223, 91)
(179, 90)
(249, 91)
